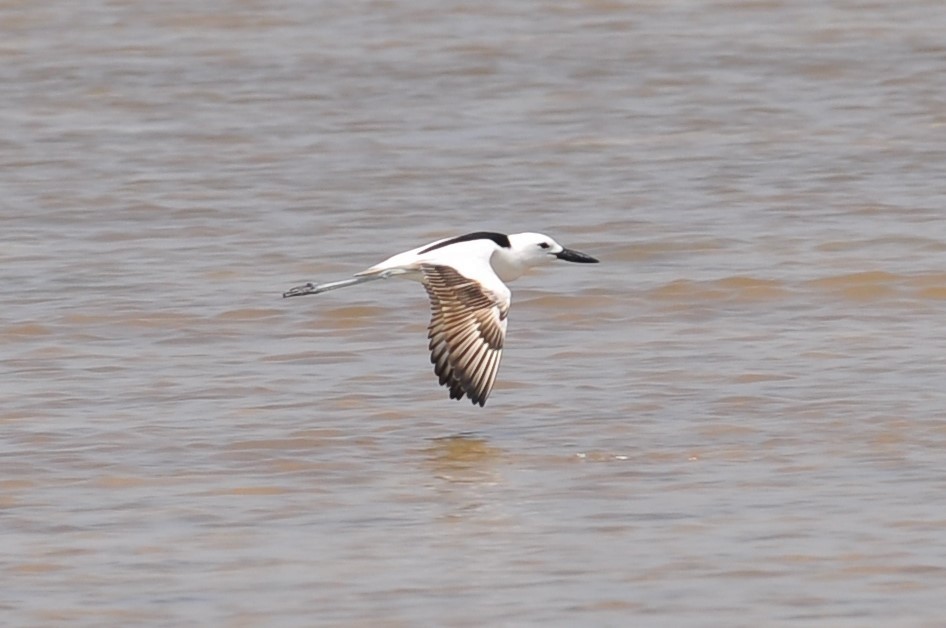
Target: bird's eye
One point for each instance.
(543, 245)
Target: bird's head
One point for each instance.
(533, 249)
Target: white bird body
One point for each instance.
(506, 263)
(465, 281)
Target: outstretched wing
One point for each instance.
(467, 329)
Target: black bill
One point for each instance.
(575, 256)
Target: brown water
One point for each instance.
(737, 419)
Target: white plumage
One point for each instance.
(469, 301)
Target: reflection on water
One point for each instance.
(464, 458)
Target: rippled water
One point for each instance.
(736, 419)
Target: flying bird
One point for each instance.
(465, 278)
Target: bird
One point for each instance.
(465, 279)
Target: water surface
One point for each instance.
(736, 419)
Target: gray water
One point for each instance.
(736, 419)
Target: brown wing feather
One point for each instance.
(466, 332)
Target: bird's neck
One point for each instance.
(507, 267)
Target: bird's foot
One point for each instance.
(298, 291)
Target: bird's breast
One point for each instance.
(506, 268)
